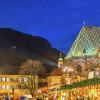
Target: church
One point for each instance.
(84, 55)
(82, 61)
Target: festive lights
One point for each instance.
(88, 39)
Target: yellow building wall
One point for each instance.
(13, 81)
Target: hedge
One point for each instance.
(84, 83)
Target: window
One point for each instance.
(60, 65)
(8, 87)
(19, 79)
(3, 79)
(22, 79)
(11, 79)
(25, 79)
(8, 79)
(3, 86)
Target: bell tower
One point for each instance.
(60, 62)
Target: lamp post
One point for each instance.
(13, 91)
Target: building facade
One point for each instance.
(84, 55)
(10, 85)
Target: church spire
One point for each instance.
(60, 61)
(84, 23)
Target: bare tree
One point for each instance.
(31, 69)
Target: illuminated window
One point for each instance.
(8, 87)
(25, 79)
(8, 79)
(22, 79)
(3, 86)
(19, 79)
(3, 79)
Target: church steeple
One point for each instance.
(60, 61)
(60, 55)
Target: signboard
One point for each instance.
(91, 75)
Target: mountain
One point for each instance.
(16, 47)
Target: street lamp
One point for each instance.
(13, 91)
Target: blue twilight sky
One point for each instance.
(59, 21)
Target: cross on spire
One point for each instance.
(84, 23)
